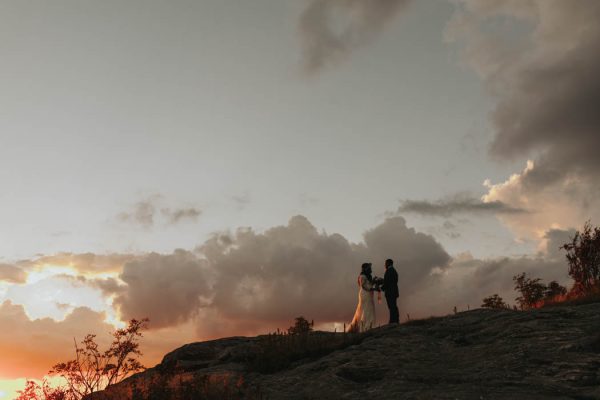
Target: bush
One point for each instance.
(494, 301)
(35, 391)
(532, 291)
(555, 291)
(92, 370)
(583, 255)
(301, 326)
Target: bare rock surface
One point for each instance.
(551, 353)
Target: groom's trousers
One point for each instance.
(393, 307)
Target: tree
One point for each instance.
(494, 301)
(301, 326)
(35, 391)
(583, 255)
(531, 290)
(93, 370)
(555, 290)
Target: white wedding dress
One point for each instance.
(364, 317)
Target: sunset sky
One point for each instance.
(222, 167)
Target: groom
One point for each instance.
(390, 287)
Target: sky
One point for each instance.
(222, 167)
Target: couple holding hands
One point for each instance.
(364, 317)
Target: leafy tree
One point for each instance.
(301, 326)
(93, 370)
(555, 290)
(531, 290)
(494, 301)
(583, 255)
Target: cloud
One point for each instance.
(81, 262)
(31, 347)
(55, 296)
(266, 279)
(331, 29)
(247, 282)
(467, 281)
(565, 204)
(450, 230)
(181, 214)
(145, 213)
(554, 240)
(540, 65)
(11, 273)
(241, 201)
(459, 204)
(142, 214)
(168, 289)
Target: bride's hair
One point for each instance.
(366, 271)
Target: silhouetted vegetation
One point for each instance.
(583, 255)
(277, 351)
(93, 370)
(494, 301)
(35, 391)
(555, 290)
(532, 291)
(301, 326)
(535, 294)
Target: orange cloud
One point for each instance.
(31, 347)
(81, 262)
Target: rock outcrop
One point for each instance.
(551, 353)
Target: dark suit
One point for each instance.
(390, 287)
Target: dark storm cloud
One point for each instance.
(12, 274)
(331, 29)
(456, 205)
(547, 91)
(555, 110)
(540, 66)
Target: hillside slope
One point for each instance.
(552, 353)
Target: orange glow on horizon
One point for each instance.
(10, 387)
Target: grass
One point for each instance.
(588, 298)
(279, 351)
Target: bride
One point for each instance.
(364, 317)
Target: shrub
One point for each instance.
(301, 326)
(554, 291)
(583, 256)
(494, 301)
(531, 290)
(92, 370)
(35, 391)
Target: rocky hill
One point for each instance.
(551, 353)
